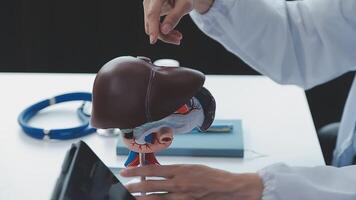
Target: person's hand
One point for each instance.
(174, 10)
(194, 182)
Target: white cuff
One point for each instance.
(308, 183)
(269, 182)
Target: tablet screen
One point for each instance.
(85, 176)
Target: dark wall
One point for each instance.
(327, 101)
(80, 36)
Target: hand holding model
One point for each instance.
(173, 10)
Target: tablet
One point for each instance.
(84, 176)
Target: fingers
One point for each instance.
(149, 197)
(152, 11)
(150, 170)
(174, 11)
(145, 5)
(151, 186)
(180, 9)
(167, 6)
(170, 196)
(174, 37)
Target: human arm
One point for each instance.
(300, 42)
(194, 182)
(276, 182)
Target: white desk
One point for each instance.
(276, 123)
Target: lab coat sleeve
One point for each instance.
(294, 183)
(304, 42)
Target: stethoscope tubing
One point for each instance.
(59, 134)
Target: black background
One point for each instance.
(80, 36)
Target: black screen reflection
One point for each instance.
(90, 179)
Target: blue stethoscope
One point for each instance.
(84, 115)
(59, 134)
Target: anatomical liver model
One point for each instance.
(150, 104)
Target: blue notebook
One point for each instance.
(196, 143)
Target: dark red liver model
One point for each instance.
(129, 92)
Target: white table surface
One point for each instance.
(277, 127)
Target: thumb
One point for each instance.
(180, 9)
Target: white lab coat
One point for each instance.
(305, 43)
